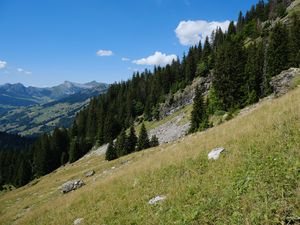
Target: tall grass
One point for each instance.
(256, 180)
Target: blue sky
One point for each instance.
(45, 42)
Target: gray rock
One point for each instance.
(215, 153)
(171, 130)
(89, 173)
(78, 221)
(156, 199)
(185, 97)
(283, 82)
(71, 185)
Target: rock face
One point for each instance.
(283, 82)
(215, 153)
(71, 186)
(185, 97)
(156, 199)
(89, 173)
(171, 130)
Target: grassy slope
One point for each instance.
(255, 182)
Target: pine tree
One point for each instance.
(240, 23)
(254, 73)
(111, 153)
(131, 140)
(294, 44)
(143, 140)
(75, 151)
(231, 29)
(42, 156)
(229, 73)
(198, 116)
(277, 56)
(120, 145)
(154, 141)
(206, 53)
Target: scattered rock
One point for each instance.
(71, 186)
(89, 173)
(283, 82)
(78, 221)
(156, 199)
(215, 153)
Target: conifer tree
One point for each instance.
(131, 140)
(277, 56)
(198, 116)
(75, 151)
(143, 139)
(294, 44)
(229, 73)
(206, 53)
(154, 141)
(254, 73)
(111, 153)
(120, 145)
(42, 156)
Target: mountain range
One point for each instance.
(33, 110)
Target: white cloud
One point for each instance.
(125, 59)
(2, 64)
(157, 59)
(20, 70)
(191, 32)
(104, 53)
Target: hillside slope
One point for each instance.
(256, 181)
(38, 118)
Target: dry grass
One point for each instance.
(255, 182)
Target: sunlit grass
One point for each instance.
(256, 181)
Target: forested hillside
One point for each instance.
(242, 61)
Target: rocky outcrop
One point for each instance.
(184, 97)
(283, 82)
(71, 186)
(171, 130)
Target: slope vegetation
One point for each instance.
(256, 180)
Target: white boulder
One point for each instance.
(215, 153)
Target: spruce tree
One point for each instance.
(154, 141)
(75, 151)
(120, 145)
(229, 73)
(277, 56)
(253, 73)
(206, 53)
(42, 156)
(198, 116)
(143, 139)
(131, 140)
(294, 44)
(111, 153)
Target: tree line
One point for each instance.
(242, 61)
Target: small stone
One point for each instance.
(78, 221)
(215, 153)
(89, 173)
(156, 199)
